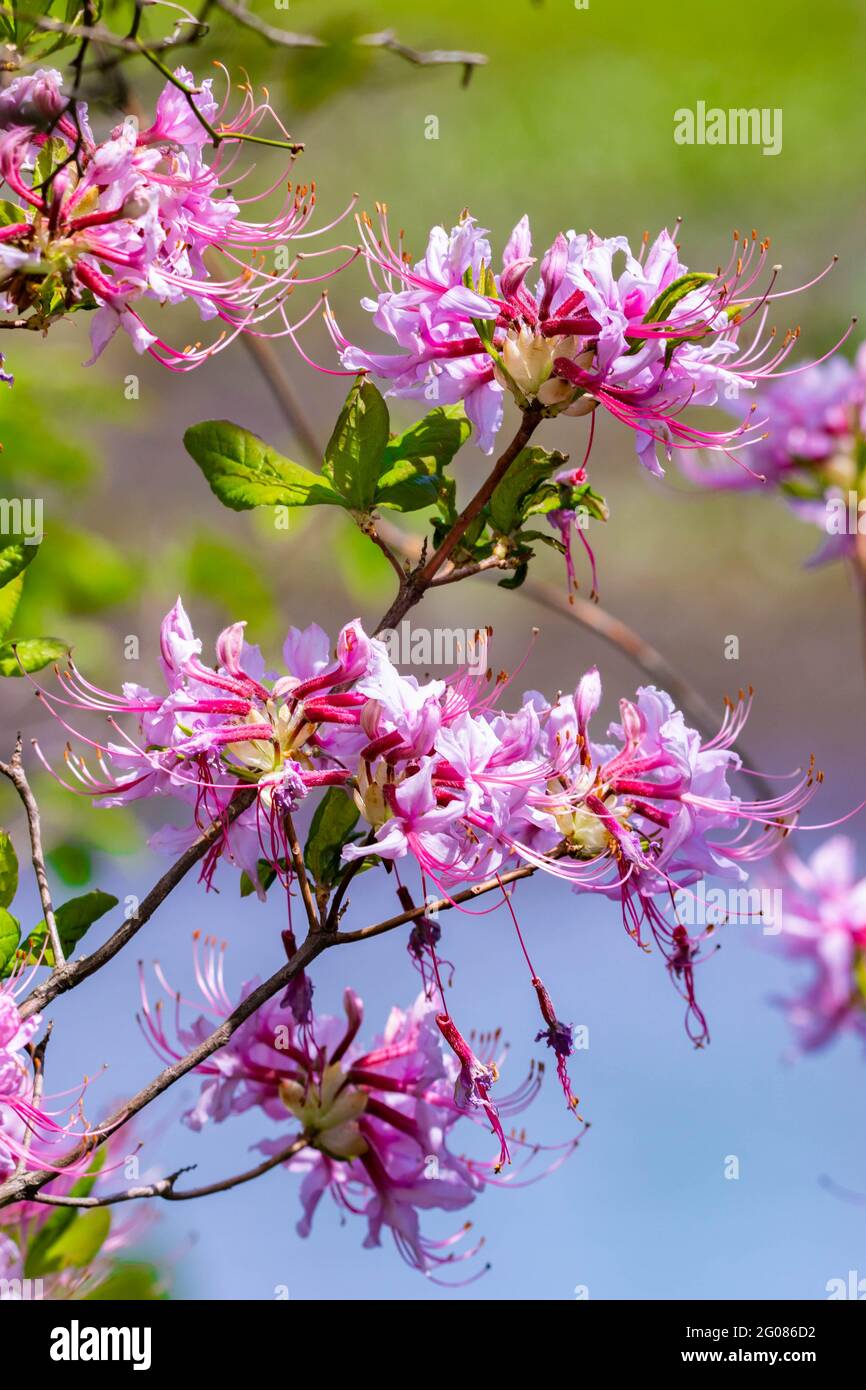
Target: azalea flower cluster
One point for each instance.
(440, 775)
(812, 452)
(38, 1254)
(107, 224)
(373, 1127)
(30, 1132)
(824, 927)
(640, 335)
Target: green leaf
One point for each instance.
(38, 1261)
(414, 461)
(81, 1241)
(514, 581)
(53, 153)
(431, 442)
(129, 1282)
(10, 597)
(72, 862)
(265, 872)
(41, 1257)
(73, 919)
(355, 451)
(335, 819)
(243, 472)
(10, 213)
(8, 869)
(531, 467)
(407, 488)
(15, 556)
(660, 309)
(31, 653)
(10, 935)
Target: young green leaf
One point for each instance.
(30, 654)
(243, 472)
(129, 1282)
(10, 935)
(15, 556)
(73, 919)
(10, 597)
(431, 442)
(531, 467)
(335, 819)
(8, 869)
(81, 1241)
(355, 451)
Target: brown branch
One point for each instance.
(22, 1186)
(73, 972)
(466, 895)
(386, 40)
(416, 584)
(262, 353)
(99, 34)
(165, 1187)
(14, 770)
(301, 873)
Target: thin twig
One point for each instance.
(301, 873)
(72, 973)
(386, 40)
(466, 895)
(165, 1187)
(23, 1186)
(14, 770)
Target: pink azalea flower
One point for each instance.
(824, 926)
(141, 215)
(378, 1121)
(641, 335)
(815, 425)
(441, 777)
(29, 1133)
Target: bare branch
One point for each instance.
(386, 40)
(466, 895)
(23, 1186)
(165, 1187)
(71, 974)
(97, 33)
(301, 873)
(14, 770)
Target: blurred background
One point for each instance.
(572, 121)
